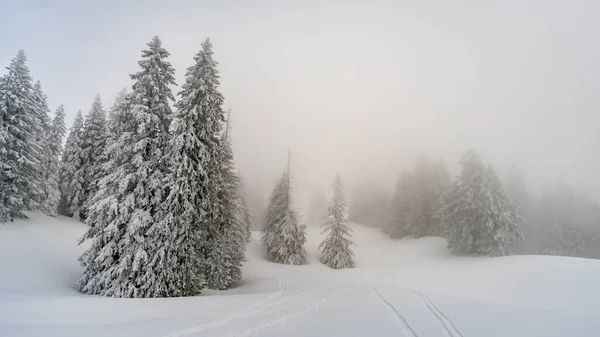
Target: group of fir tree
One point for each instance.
(474, 213)
(30, 145)
(284, 239)
(166, 216)
(158, 188)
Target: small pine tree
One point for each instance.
(282, 236)
(71, 187)
(19, 151)
(54, 145)
(335, 249)
(132, 253)
(479, 216)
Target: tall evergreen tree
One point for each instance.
(224, 260)
(282, 236)
(193, 209)
(94, 139)
(39, 187)
(479, 215)
(130, 252)
(335, 249)
(71, 188)
(19, 151)
(56, 133)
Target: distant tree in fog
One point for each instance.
(317, 208)
(481, 219)
(255, 199)
(565, 222)
(517, 193)
(403, 218)
(416, 200)
(335, 249)
(370, 205)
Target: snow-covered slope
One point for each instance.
(399, 288)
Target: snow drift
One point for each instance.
(399, 288)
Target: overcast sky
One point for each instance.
(352, 87)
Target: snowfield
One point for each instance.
(399, 288)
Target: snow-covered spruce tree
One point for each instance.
(19, 151)
(114, 121)
(282, 236)
(224, 260)
(132, 252)
(116, 115)
(244, 210)
(194, 205)
(71, 189)
(335, 249)
(56, 133)
(39, 187)
(480, 218)
(94, 139)
(432, 181)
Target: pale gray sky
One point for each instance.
(352, 87)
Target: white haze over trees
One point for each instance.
(169, 187)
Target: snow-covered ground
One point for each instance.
(399, 288)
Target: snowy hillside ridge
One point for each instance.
(409, 287)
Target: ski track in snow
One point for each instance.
(398, 318)
(276, 303)
(228, 319)
(446, 323)
(282, 319)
